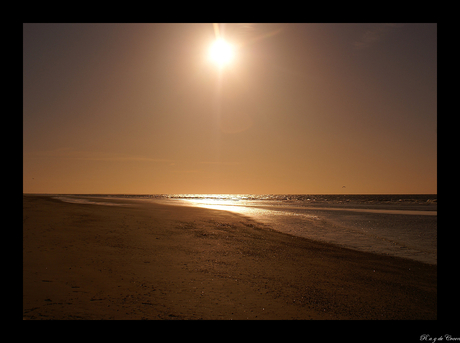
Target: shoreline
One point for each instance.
(154, 261)
(282, 218)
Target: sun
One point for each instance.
(221, 52)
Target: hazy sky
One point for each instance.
(302, 108)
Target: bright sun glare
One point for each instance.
(221, 52)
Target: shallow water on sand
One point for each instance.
(397, 225)
(408, 232)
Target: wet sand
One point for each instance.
(152, 261)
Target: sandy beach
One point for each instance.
(145, 260)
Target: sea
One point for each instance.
(402, 225)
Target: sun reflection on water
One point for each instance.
(250, 208)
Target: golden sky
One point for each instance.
(300, 108)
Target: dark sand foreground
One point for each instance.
(151, 261)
